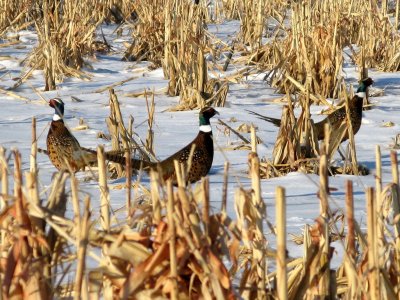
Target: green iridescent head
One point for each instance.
(364, 84)
(206, 114)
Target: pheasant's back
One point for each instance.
(64, 149)
(336, 118)
(356, 113)
(201, 161)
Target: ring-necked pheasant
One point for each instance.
(336, 118)
(202, 157)
(63, 148)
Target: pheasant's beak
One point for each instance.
(51, 103)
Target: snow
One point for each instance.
(173, 130)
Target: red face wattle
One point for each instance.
(56, 102)
(51, 103)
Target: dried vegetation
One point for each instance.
(304, 56)
(173, 34)
(167, 243)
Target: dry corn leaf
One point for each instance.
(375, 92)
(388, 124)
(160, 234)
(182, 254)
(216, 287)
(246, 128)
(132, 252)
(36, 286)
(119, 186)
(151, 294)
(14, 265)
(234, 251)
(166, 283)
(206, 290)
(7, 212)
(232, 120)
(282, 99)
(144, 269)
(241, 146)
(135, 236)
(81, 127)
(219, 270)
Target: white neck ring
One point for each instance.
(361, 94)
(56, 117)
(205, 128)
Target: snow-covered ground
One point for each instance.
(173, 130)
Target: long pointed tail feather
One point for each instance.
(116, 156)
(276, 122)
(137, 164)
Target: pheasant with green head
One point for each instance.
(336, 118)
(202, 157)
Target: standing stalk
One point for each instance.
(323, 194)
(75, 200)
(378, 187)
(373, 267)
(351, 241)
(83, 232)
(396, 205)
(104, 193)
(281, 272)
(324, 187)
(172, 241)
(104, 207)
(205, 184)
(259, 240)
(4, 177)
(128, 172)
(34, 148)
(155, 196)
(225, 187)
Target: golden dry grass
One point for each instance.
(172, 246)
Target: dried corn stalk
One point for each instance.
(184, 63)
(253, 16)
(296, 147)
(15, 14)
(65, 35)
(311, 54)
(148, 32)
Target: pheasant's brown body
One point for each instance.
(336, 118)
(63, 148)
(201, 160)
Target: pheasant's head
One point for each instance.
(58, 106)
(364, 84)
(205, 115)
